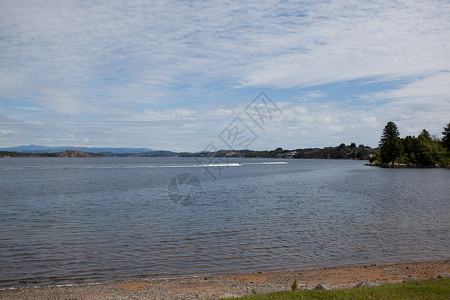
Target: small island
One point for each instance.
(423, 151)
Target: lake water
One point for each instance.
(66, 221)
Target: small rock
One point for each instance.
(368, 284)
(444, 275)
(409, 279)
(228, 296)
(262, 290)
(321, 287)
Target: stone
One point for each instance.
(263, 290)
(321, 287)
(444, 275)
(409, 279)
(368, 284)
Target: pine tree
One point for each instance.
(425, 134)
(446, 138)
(390, 132)
(392, 150)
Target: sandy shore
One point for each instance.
(229, 285)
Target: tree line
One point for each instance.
(423, 150)
(339, 152)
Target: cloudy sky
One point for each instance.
(174, 74)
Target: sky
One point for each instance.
(186, 75)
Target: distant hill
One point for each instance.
(67, 153)
(46, 149)
(339, 152)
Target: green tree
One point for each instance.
(408, 144)
(338, 152)
(392, 150)
(275, 152)
(446, 138)
(425, 134)
(409, 149)
(424, 151)
(391, 147)
(390, 132)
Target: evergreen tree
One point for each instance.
(424, 151)
(409, 148)
(425, 134)
(392, 150)
(390, 132)
(390, 143)
(446, 138)
(421, 151)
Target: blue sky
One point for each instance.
(174, 74)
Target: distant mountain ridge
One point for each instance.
(49, 149)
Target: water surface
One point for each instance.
(66, 220)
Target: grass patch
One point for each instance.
(430, 289)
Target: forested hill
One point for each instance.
(339, 152)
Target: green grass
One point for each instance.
(430, 289)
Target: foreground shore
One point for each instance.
(239, 284)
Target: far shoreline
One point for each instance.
(395, 165)
(237, 284)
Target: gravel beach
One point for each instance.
(239, 284)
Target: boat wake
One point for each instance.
(199, 165)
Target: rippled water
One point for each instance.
(98, 219)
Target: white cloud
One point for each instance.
(7, 132)
(435, 86)
(264, 43)
(308, 124)
(422, 103)
(310, 96)
(148, 73)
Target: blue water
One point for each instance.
(65, 220)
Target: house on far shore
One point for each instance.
(287, 154)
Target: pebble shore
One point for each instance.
(239, 284)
